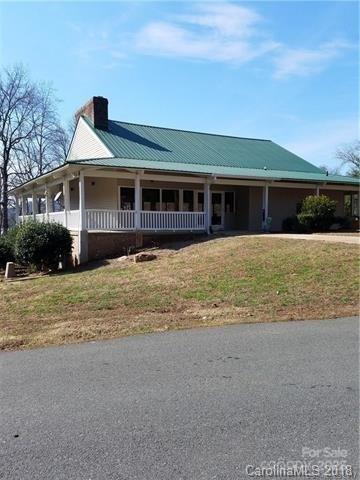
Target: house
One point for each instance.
(125, 184)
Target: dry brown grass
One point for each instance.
(223, 281)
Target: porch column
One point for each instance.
(66, 193)
(82, 213)
(83, 234)
(181, 200)
(207, 205)
(34, 205)
(23, 207)
(47, 202)
(137, 202)
(265, 206)
(16, 209)
(317, 190)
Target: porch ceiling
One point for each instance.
(71, 170)
(246, 173)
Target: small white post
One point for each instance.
(265, 205)
(137, 202)
(317, 190)
(34, 205)
(82, 213)
(66, 193)
(207, 205)
(16, 209)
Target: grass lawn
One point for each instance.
(222, 281)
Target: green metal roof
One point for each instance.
(142, 146)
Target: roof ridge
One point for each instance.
(192, 131)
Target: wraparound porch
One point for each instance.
(111, 201)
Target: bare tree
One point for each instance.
(47, 147)
(330, 170)
(18, 121)
(350, 157)
(64, 137)
(32, 139)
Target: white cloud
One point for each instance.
(224, 33)
(165, 39)
(227, 19)
(303, 62)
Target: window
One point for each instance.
(355, 204)
(127, 198)
(188, 201)
(57, 202)
(170, 200)
(229, 202)
(200, 201)
(42, 205)
(347, 204)
(216, 207)
(151, 199)
(351, 204)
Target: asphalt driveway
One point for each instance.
(334, 237)
(197, 404)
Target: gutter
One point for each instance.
(213, 175)
(81, 164)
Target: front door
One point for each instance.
(217, 210)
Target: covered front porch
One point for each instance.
(90, 201)
(120, 202)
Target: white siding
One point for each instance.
(86, 144)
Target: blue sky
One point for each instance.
(280, 70)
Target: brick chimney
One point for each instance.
(96, 110)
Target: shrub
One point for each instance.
(305, 222)
(7, 246)
(42, 245)
(317, 212)
(6, 254)
(290, 224)
(343, 222)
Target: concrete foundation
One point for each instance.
(111, 244)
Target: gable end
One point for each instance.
(86, 144)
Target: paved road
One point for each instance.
(198, 404)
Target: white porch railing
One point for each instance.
(96, 219)
(172, 220)
(58, 217)
(73, 217)
(125, 220)
(110, 219)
